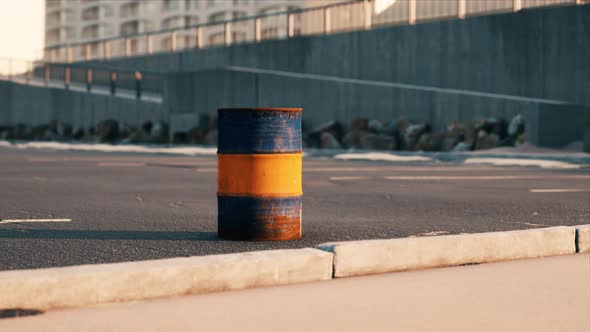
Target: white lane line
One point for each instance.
(348, 178)
(9, 221)
(206, 170)
(558, 190)
(489, 177)
(120, 164)
(522, 162)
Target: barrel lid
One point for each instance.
(268, 109)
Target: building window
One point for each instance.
(173, 22)
(191, 4)
(130, 28)
(171, 4)
(210, 3)
(89, 14)
(219, 17)
(53, 18)
(52, 36)
(129, 9)
(90, 32)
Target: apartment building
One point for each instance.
(75, 21)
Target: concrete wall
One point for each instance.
(538, 53)
(39, 105)
(325, 100)
(556, 126)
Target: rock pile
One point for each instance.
(361, 133)
(402, 134)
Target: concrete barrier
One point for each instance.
(583, 238)
(382, 256)
(87, 285)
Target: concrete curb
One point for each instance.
(583, 238)
(87, 285)
(381, 256)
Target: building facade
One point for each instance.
(76, 21)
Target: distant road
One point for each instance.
(106, 207)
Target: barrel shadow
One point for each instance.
(107, 235)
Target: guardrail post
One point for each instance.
(47, 74)
(173, 41)
(412, 11)
(290, 25)
(138, 78)
(113, 82)
(199, 36)
(368, 15)
(67, 77)
(107, 50)
(88, 79)
(87, 52)
(257, 30)
(69, 55)
(327, 23)
(127, 47)
(516, 5)
(227, 33)
(149, 45)
(461, 8)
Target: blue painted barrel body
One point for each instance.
(268, 218)
(259, 130)
(259, 174)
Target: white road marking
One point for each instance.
(120, 164)
(206, 170)
(485, 177)
(348, 178)
(9, 221)
(380, 156)
(558, 190)
(521, 162)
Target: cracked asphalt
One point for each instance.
(127, 207)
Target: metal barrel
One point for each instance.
(259, 173)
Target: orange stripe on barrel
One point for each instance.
(260, 175)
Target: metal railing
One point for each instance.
(333, 18)
(92, 78)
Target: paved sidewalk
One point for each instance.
(549, 294)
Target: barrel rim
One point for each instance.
(267, 109)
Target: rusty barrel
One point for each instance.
(259, 173)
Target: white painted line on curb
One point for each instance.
(485, 177)
(9, 221)
(558, 190)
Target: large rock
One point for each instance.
(370, 141)
(108, 131)
(486, 141)
(358, 123)
(328, 141)
(352, 139)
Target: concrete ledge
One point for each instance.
(86, 285)
(583, 238)
(381, 256)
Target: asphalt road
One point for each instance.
(135, 206)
